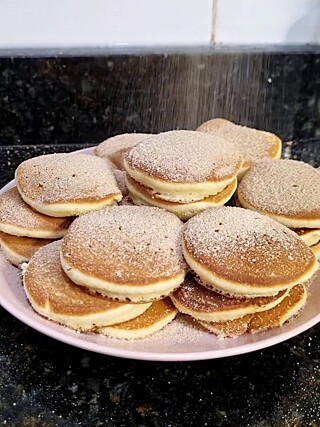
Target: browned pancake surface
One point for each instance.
(65, 178)
(14, 211)
(158, 311)
(254, 144)
(126, 245)
(185, 157)
(148, 193)
(26, 247)
(199, 299)
(47, 284)
(245, 247)
(282, 187)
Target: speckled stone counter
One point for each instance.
(48, 102)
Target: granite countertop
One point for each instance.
(47, 383)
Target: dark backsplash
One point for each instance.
(84, 99)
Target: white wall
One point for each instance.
(98, 23)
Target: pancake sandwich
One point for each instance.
(128, 253)
(53, 295)
(182, 167)
(253, 144)
(242, 253)
(287, 191)
(274, 317)
(66, 184)
(18, 249)
(19, 219)
(116, 147)
(155, 318)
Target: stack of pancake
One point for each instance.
(184, 172)
(111, 273)
(23, 230)
(50, 191)
(287, 191)
(121, 270)
(253, 144)
(248, 271)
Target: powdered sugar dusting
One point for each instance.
(14, 211)
(252, 143)
(186, 156)
(119, 142)
(288, 187)
(55, 178)
(126, 244)
(243, 245)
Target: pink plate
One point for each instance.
(179, 341)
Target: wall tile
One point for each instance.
(268, 21)
(83, 23)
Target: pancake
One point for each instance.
(55, 297)
(285, 190)
(183, 166)
(144, 196)
(17, 218)
(66, 184)
(243, 253)
(204, 304)
(253, 144)
(19, 249)
(258, 322)
(310, 236)
(125, 252)
(152, 320)
(316, 250)
(116, 147)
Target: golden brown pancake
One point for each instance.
(258, 322)
(125, 252)
(311, 236)
(143, 196)
(19, 249)
(183, 166)
(254, 144)
(53, 295)
(66, 184)
(243, 253)
(285, 190)
(116, 147)
(204, 304)
(152, 320)
(17, 218)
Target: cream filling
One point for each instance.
(228, 314)
(316, 250)
(90, 321)
(140, 332)
(233, 288)
(184, 192)
(24, 232)
(134, 293)
(69, 208)
(285, 220)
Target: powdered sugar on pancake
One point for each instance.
(58, 178)
(287, 187)
(185, 156)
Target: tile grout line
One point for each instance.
(213, 22)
